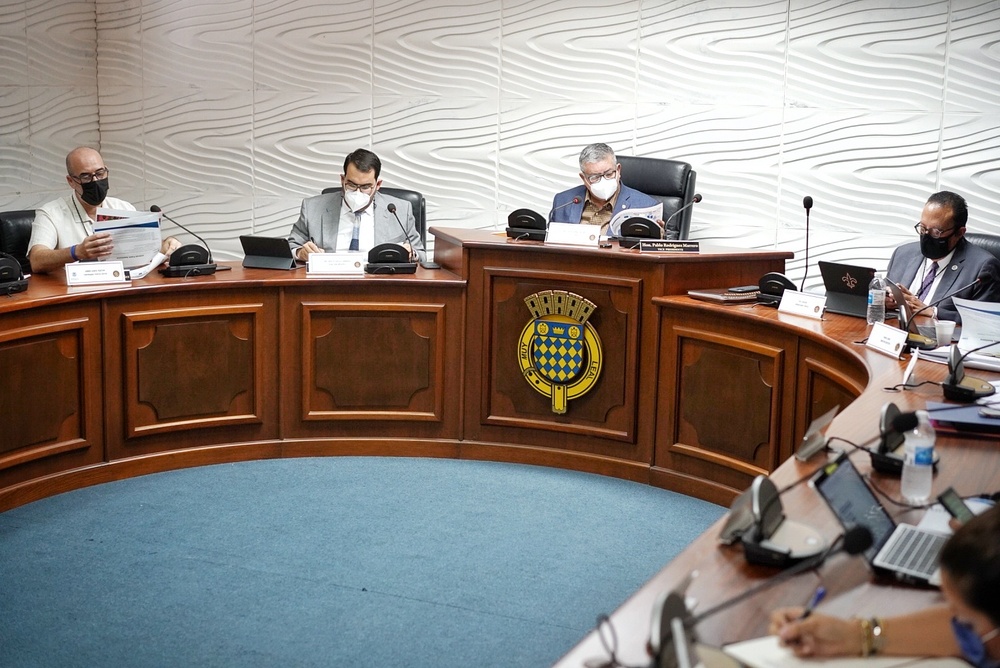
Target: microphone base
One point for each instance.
(890, 463)
(968, 390)
(13, 287)
(391, 268)
(185, 270)
(788, 545)
(525, 233)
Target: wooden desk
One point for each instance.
(824, 349)
(116, 381)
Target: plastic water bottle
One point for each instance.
(918, 460)
(876, 300)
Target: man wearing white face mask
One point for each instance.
(357, 218)
(602, 194)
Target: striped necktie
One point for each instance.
(355, 233)
(925, 287)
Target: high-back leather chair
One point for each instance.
(417, 203)
(669, 181)
(15, 234)
(990, 242)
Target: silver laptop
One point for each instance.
(846, 287)
(904, 550)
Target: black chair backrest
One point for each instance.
(417, 203)
(990, 242)
(669, 181)
(15, 234)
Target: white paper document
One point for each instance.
(653, 213)
(135, 234)
(767, 652)
(980, 325)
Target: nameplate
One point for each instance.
(665, 246)
(573, 234)
(95, 273)
(339, 264)
(888, 340)
(802, 303)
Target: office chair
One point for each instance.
(990, 242)
(417, 203)
(669, 181)
(15, 234)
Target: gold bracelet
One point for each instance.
(867, 637)
(878, 635)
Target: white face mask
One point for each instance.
(604, 189)
(356, 199)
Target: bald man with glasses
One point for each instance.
(943, 260)
(63, 230)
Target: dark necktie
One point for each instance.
(355, 233)
(925, 287)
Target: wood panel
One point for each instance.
(51, 402)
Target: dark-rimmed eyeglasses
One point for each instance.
(366, 188)
(935, 234)
(87, 177)
(594, 178)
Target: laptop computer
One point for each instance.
(906, 551)
(846, 287)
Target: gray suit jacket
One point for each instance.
(968, 263)
(319, 220)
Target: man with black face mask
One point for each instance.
(63, 230)
(943, 260)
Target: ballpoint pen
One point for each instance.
(814, 601)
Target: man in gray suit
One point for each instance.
(358, 218)
(943, 260)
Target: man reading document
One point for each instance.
(64, 229)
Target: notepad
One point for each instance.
(767, 652)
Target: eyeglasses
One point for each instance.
(366, 188)
(87, 177)
(935, 234)
(594, 178)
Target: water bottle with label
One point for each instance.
(876, 300)
(918, 460)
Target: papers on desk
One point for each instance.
(767, 652)
(135, 234)
(980, 324)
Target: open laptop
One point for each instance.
(846, 287)
(908, 552)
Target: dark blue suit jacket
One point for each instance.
(564, 211)
(968, 262)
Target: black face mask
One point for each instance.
(94, 192)
(933, 249)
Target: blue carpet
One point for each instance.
(331, 562)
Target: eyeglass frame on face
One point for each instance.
(366, 188)
(935, 233)
(89, 177)
(595, 178)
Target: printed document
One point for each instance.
(135, 234)
(653, 213)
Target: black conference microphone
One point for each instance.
(392, 210)
(694, 200)
(189, 260)
(575, 200)
(807, 202)
(854, 541)
(958, 386)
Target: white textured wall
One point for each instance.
(227, 113)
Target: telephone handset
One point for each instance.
(772, 285)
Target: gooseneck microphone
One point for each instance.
(392, 210)
(189, 260)
(694, 200)
(807, 203)
(958, 386)
(575, 200)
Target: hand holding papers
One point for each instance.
(652, 213)
(135, 235)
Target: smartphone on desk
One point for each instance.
(955, 506)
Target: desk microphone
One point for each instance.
(575, 200)
(958, 386)
(189, 260)
(666, 223)
(853, 542)
(807, 202)
(392, 210)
